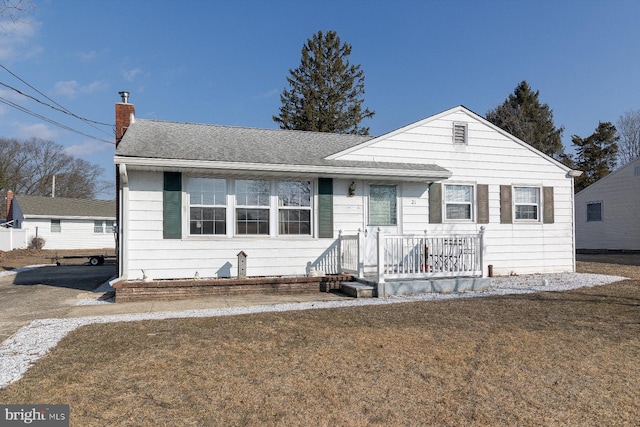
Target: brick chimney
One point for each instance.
(9, 201)
(125, 115)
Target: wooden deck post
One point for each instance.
(360, 254)
(380, 267)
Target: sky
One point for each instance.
(225, 62)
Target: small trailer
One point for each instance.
(93, 259)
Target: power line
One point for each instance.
(60, 109)
(53, 122)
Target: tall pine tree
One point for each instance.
(595, 155)
(325, 93)
(523, 116)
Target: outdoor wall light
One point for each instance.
(352, 189)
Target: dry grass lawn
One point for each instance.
(565, 358)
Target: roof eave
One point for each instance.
(270, 168)
(84, 217)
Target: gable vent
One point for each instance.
(459, 133)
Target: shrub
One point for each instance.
(37, 243)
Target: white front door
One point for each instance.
(382, 213)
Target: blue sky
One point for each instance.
(226, 62)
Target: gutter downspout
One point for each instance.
(573, 174)
(123, 226)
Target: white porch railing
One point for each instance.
(416, 256)
(352, 254)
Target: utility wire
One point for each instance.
(53, 122)
(60, 109)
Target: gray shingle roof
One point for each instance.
(65, 207)
(188, 141)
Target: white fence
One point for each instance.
(11, 239)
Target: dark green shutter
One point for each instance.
(435, 203)
(506, 215)
(547, 205)
(172, 206)
(325, 207)
(483, 203)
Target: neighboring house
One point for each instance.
(194, 196)
(63, 223)
(607, 211)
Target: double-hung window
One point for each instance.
(294, 207)
(527, 203)
(100, 226)
(55, 226)
(458, 202)
(207, 206)
(252, 206)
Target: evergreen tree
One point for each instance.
(523, 116)
(595, 155)
(325, 93)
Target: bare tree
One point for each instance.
(29, 167)
(11, 10)
(628, 127)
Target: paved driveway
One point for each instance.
(46, 292)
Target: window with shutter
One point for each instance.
(172, 206)
(482, 195)
(458, 202)
(506, 216)
(435, 203)
(325, 207)
(547, 205)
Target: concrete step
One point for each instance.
(358, 290)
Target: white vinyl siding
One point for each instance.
(489, 157)
(619, 195)
(75, 233)
(494, 159)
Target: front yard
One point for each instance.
(563, 358)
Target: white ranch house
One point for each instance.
(607, 211)
(64, 223)
(447, 196)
